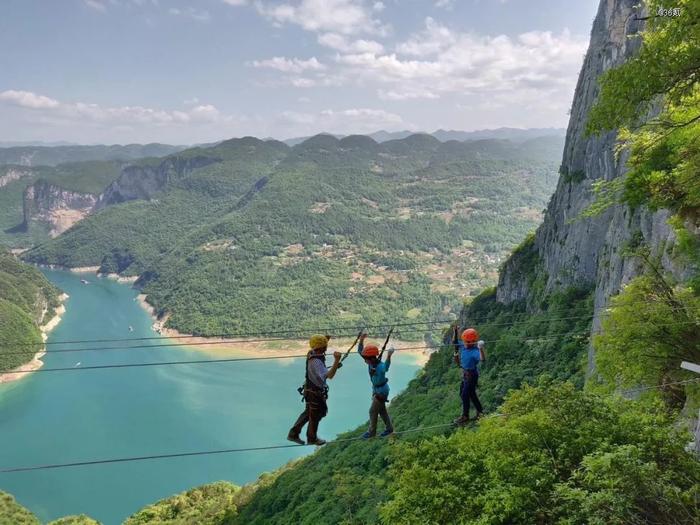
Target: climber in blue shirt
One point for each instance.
(380, 387)
(468, 353)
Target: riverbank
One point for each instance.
(94, 270)
(252, 347)
(36, 363)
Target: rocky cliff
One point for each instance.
(56, 206)
(568, 250)
(49, 203)
(142, 181)
(10, 174)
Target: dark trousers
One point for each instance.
(468, 392)
(376, 409)
(316, 409)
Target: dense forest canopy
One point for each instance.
(27, 300)
(328, 232)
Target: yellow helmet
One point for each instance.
(318, 341)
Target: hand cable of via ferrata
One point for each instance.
(386, 342)
(347, 353)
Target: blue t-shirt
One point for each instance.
(379, 381)
(468, 357)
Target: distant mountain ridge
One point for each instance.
(513, 134)
(54, 155)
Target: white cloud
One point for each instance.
(236, 2)
(438, 60)
(196, 14)
(445, 4)
(289, 65)
(432, 40)
(27, 99)
(101, 5)
(347, 17)
(346, 121)
(341, 43)
(88, 113)
(95, 4)
(407, 94)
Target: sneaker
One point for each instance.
(461, 420)
(295, 439)
(318, 442)
(367, 435)
(387, 432)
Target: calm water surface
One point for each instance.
(60, 417)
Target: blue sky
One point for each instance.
(120, 71)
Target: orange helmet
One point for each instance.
(470, 335)
(370, 351)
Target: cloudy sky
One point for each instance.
(179, 71)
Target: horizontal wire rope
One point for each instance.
(132, 459)
(236, 359)
(201, 343)
(276, 339)
(228, 360)
(521, 319)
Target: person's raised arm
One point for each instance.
(336, 363)
(388, 357)
(455, 345)
(482, 352)
(361, 344)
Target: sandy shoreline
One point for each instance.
(36, 363)
(252, 347)
(92, 269)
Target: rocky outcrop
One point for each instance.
(573, 251)
(143, 181)
(60, 208)
(11, 174)
(56, 206)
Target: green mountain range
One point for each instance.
(27, 300)
(54, 155)
(589, 414)
(252, 233)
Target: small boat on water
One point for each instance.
(131, 328)
(84, 281)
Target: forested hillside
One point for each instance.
(588, 412)
(330, 231)
(27, 300)
(614, 451)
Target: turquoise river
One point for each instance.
(61, 417)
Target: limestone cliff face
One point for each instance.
(587, 252)
(60, 208)
(142, 182)
(12, 173)
(56, 206)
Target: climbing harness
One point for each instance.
(308, 386)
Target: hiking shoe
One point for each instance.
(387, 432)
(295, 439)
(318, 442)
(461, 420)
(479, 415)
(367, 435)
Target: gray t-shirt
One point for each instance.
(317, 372)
